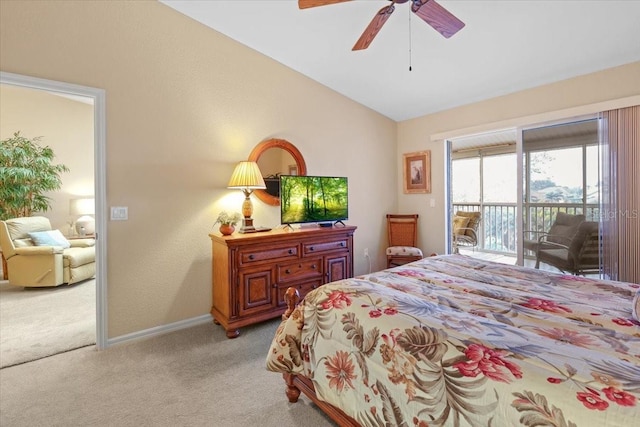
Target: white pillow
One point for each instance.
(49, 238)
(635, 308)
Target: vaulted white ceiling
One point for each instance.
(506, 46)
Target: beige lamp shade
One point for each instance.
(247, 175)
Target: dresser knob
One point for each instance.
(314, 267)
(287, 271)
(290, 251)
(342, 244)
(311, 248)
(251, 257)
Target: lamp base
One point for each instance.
(247, 226)
(85, 225)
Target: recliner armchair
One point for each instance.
(33, 265)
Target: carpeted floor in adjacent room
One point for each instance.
(39, 322)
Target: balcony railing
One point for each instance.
(497, 230)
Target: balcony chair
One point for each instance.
(402, 231)
(580, 256)
(465, 230)
(38, 256)
(562, 231)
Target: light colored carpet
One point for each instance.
(191, 377)
(39, 322)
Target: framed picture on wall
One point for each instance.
(417, 172)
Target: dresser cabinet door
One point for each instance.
(337, 267)
(255, 293)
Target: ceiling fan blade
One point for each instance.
(438, 17)
(304, 4)
(374, 27)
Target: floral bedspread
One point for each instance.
(451, 340)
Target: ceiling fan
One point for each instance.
(428, 10)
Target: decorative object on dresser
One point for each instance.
(227, 222)
(247, 177)
(251, 272)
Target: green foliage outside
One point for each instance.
(27, 172)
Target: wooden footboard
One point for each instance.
(300, 383)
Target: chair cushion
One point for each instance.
(474, 219)
(49, 238)
(464, 240)
(404, 251)
(635, 309)
(564, 227)
(75, 257)
(19, 228)
(460, 222)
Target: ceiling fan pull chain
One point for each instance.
(409, 42)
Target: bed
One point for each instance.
(452, 340)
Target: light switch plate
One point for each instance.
(119, 213)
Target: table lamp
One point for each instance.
(83, 208)
(247, 177)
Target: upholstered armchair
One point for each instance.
(581, 255)
(562, 231)
(37, 256)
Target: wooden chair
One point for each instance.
(465, 229)
(580, 256)
(402, 232)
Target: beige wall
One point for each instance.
(184, 104)
(66, 126)
(521, 108)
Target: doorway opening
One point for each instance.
(98, 139)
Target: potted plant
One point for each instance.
(27, 172)
(227, 222)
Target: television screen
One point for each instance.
(313, 199)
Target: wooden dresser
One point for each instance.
(251, 272)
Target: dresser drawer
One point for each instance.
(317, 247)
(248, 256)
(297, 271)
(304, 288)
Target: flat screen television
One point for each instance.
(322, 199)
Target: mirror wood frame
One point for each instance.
(282, 144)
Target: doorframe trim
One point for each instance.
(100, 139)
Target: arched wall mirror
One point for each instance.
(276, 157)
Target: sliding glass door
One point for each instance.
(560, 175)
(520, 179)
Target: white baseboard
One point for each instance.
(159, 330)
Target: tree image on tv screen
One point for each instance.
(313, 199)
